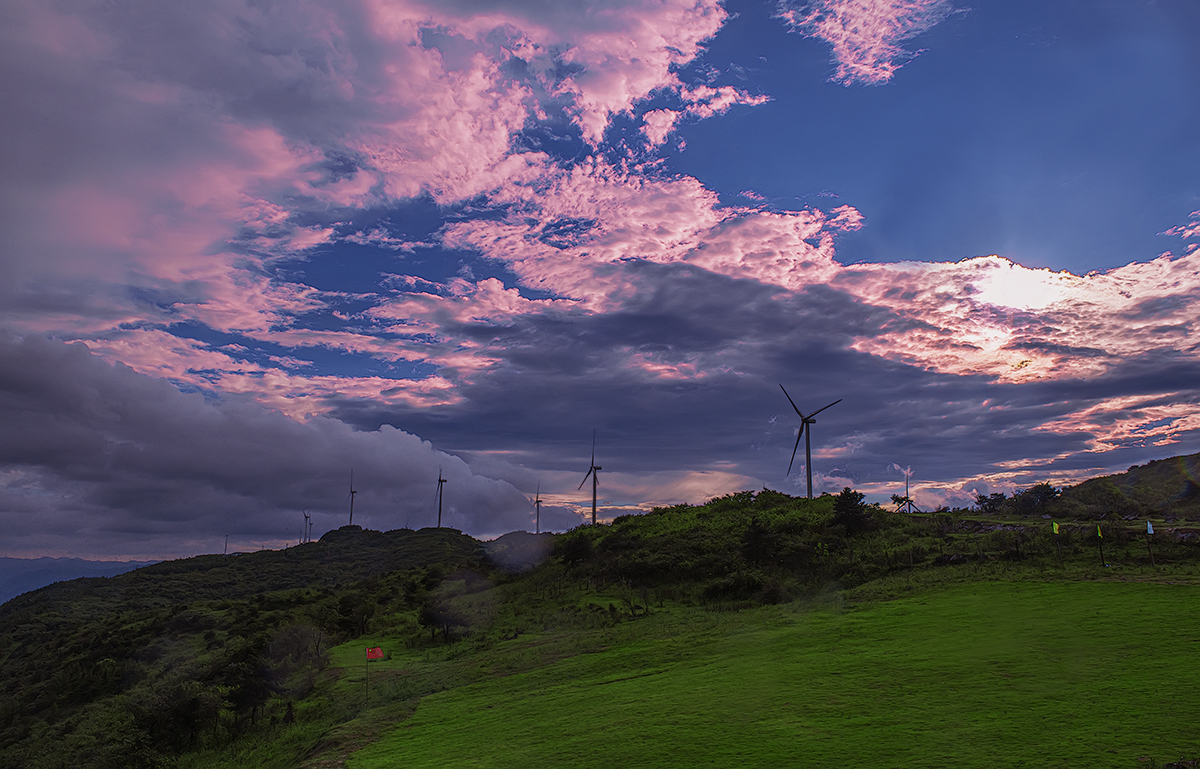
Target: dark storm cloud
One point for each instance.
(561, 374)
(134, 465)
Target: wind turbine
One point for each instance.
(537, 503)
(804, 422)
(593, 471)
(908, 505)
(351, 495)
(441, 481)
(307, 527)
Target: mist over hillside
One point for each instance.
(20, 575)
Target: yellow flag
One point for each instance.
(1055, 525)
(1099, 533)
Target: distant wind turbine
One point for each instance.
(537, 503)
(307, 528)
(593, 471)
(804, 422)
(907, 506)
(351, 495)
(441, 482)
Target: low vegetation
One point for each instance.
(756, 629)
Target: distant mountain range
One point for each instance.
(20, 575)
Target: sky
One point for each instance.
(251, 248)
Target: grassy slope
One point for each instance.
(986, 674)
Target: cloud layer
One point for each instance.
(95, 453)
(251, 247)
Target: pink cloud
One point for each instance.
(290, 391)
(658, 124)
(705, 101)
(990, 316)
(1189, 230)
(201, 125)
(866, 34)
(702, 102)
(1133, 420)
(632, 216)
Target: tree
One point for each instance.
(991, 505)
(850, 511)
(576, 549)
(757, 543)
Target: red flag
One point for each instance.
(375, 654)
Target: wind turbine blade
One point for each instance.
(589, 474)
(818, 411)
(537, 495)
(593, 447)
(798, 436)
(785, 392)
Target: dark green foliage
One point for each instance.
(991, 504)
(576, 548)
(851, 513)
(130, 670)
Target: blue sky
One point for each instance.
(252, 247)
(1058, 135)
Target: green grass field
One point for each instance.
(993, 674)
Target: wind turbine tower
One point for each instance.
(307, 528)
(805, 421)
(537, 503)
(593, 471)
(441, 482)
(351, 495)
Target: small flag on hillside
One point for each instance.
(375, 654)
(1099, 533)
(1055, 525)
(1149, 527)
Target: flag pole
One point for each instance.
(1149, 537)
(1100, 540)
(367, 675)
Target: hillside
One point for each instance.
(166, 652)
(257, 659)
(1166, 488)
